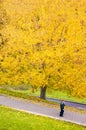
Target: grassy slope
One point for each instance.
(23, 121)
(50, 93)
(54, 94)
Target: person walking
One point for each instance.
(62, 105)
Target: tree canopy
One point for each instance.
(43, 43)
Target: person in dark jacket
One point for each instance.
(62, 105)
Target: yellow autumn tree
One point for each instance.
(45, 45)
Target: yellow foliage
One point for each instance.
(43, 42)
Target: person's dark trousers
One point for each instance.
(61, 112)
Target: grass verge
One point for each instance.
(51, 94)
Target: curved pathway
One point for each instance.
(42, 110)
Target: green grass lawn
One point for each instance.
(53, 94)
(15, 120)
(50, 93)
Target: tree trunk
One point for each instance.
(43, 92)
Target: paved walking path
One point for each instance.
(39, 109)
